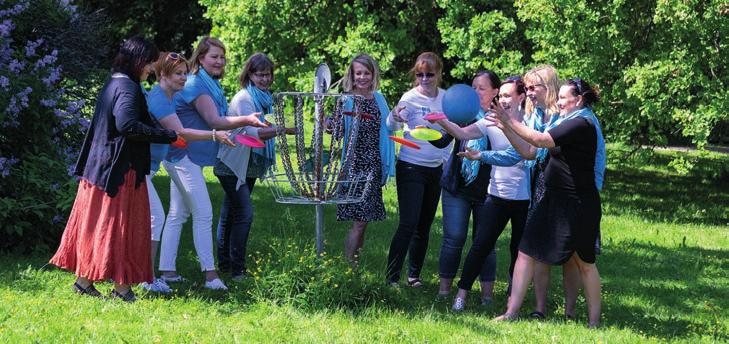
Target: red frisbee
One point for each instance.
(434, 116)
(362, 115)
(179, 143)
(404, 142)
(250, 141)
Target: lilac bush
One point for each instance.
(42, 122)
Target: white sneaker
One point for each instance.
(215, 284)
(157, 286)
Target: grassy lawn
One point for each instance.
(664, 267)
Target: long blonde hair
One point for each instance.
(370, 64)
(547, 76)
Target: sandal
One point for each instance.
(90, 290)
(126, 297)
(415, 283)
(536, 315)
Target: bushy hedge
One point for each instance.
(42, 120)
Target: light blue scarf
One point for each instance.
(387, 147)
(469, 169)
(600, 153)
(263, 102)
(216, 91)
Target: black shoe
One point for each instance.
(126, 297)
(90, 290)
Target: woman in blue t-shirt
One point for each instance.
(171, 70)
(201, 105)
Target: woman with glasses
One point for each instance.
(542, 85)
(565, 222)
(238, 167)
(508, 188)
(107, 234)
(201, 105)
(418, 171)
(373, 151)
(171, 70)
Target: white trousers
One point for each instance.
(188, 195)
(156, 210)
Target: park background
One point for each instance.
(661, 67)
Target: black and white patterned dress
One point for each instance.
(366, 159)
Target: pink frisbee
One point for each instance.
(250, 141)
(434, 116)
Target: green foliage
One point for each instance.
(42, 122)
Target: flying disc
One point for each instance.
(425, 134)
(179, 143)
(434, 116)
(362, 115)
(249, 141)
(404, 142)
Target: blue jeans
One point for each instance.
(456, 212)
(418, 191)
(236, 216)
(499, 212)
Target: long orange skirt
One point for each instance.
(108, 238)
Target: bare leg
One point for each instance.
(572, 283)
(591, 281)
(487, 290)
(523, 273)
(541, 285)
(445, 286)
(355, 240)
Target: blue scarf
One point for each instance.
(600, 153)
(537, 123)
(216, 91)
(263, 102)
(387, 147)
(469, 169)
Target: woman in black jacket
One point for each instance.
(108, 231)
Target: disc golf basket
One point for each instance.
(314, 166)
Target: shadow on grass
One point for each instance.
(640, 185)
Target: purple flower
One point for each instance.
(6, 164)
(6, 27)
(16, 66)
(57, 219)
(4, 82)
(49, 103)
(31, 46)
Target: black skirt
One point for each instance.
(560, 225)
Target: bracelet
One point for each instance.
(214, 138)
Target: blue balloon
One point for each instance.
(461, 104)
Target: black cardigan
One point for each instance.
(452, 181)
(118, 137)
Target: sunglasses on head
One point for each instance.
(173, 56)
(578, 85)
(514, 78)
(422, 75)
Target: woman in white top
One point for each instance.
(418, 171)
(508, 191)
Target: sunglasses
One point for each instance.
(513, 78)
(533, 87)
(261, 75)
(423, 75)
(173, 56)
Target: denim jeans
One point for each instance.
(418, 191)
(456, 212)
(498, 211)
(234, 225)
(188, 196)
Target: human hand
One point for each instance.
(223, 136)
(254, 121)
(396, 114)
(470, 154)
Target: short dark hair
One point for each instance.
(134, 54)
(582, 88)
(519, 84)
(491, 75)
(256, 63)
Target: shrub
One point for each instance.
(42, 122)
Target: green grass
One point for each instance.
(665, 273)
